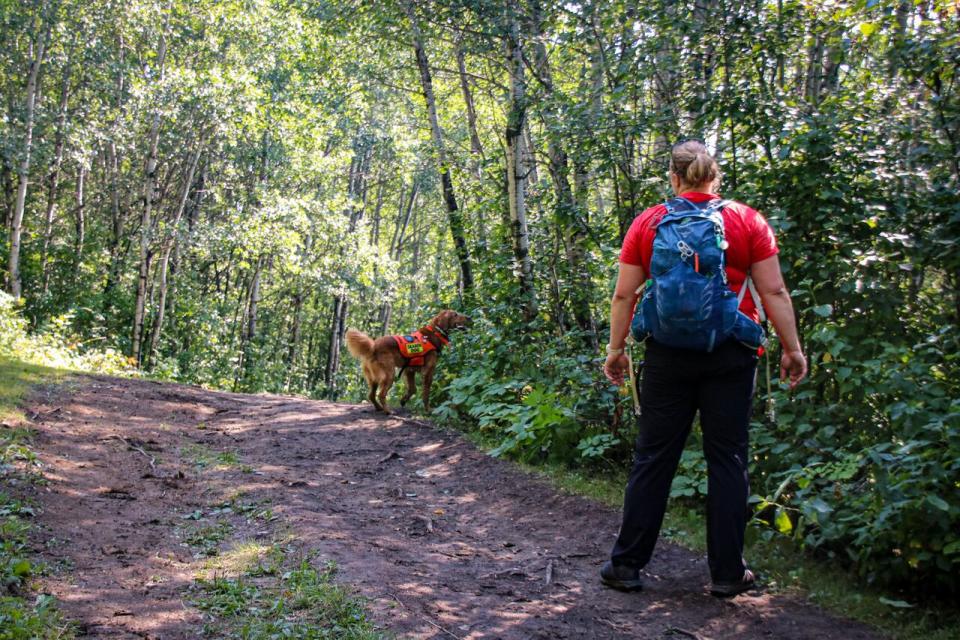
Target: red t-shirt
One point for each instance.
(750, 236)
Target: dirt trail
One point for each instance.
(444, 541)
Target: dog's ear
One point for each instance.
(445, 318)
(441, 319)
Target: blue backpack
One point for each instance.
(687, 302)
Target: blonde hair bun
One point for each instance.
(693, 164)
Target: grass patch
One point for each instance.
(265, 591)
(247, 557)
(203, 457)
(273, 600)
(18, 378)
(205, 540)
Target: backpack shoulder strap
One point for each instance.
(757, 302)
(678, 205)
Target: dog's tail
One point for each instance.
(360, 345)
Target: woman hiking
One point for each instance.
(701, 355)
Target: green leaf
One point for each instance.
(952, 549)
(899, 604)
(820, 506)
(21, 568)
(823, 310)
(783, 523)
(868, 28)
(938, 502)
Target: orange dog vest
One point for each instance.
(415, 346)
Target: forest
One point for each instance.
(213, 191)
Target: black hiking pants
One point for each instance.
(675, 384)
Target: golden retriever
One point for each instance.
(381, 358)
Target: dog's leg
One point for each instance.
(372, 396)
(427, 381)
(385, 383)
(411, 376)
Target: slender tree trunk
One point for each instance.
(337, 329)
(161, 308)
(398, 220)
(454, 216)
(375, 218)
(53, 180)
(149, 188)
(383, 319)
(476, 148)
(293, 345)
(38, 50)
(568, 211)
(80, 215)
(170, 242)
(250, 331)
(402, 232)
(116, 225)
(516, 180)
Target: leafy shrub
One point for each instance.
(54, 346)
(536, 395)
(868, 468)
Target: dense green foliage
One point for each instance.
(218, 188)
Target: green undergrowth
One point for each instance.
(783, 567)
(23, 616)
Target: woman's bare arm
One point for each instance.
(776, 300)
(621, 311)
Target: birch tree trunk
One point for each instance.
(454, 216)
(168, 245)
(568, 211)
(476, 148)
(38, 50)
(149, 189)
(80, 214)
(337, 330)
(53, 180)
(516, 180)
(249, 331)
(402, 228)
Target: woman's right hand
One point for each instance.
(794, 365)
(615, 367)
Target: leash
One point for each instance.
(629, 342)
(748, 285)
(771, 412)
(633, 376)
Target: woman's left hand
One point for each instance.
(616, 367)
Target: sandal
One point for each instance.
(731, 589)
